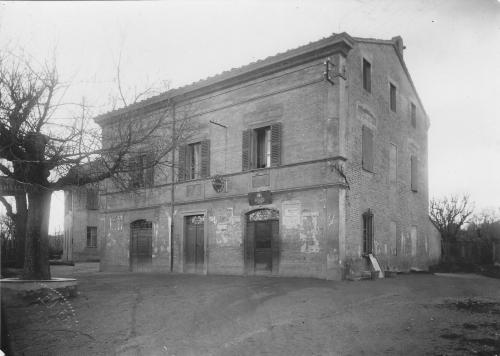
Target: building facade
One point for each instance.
(81, 218)
(301, 165)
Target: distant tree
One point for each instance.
(449, 214)
(485, 225)
(45, 153)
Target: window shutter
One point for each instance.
(367, 149)
(181, 169)
(246, 150)
(414, 173)
(205, 158)
(92, 199)
(276, 144)
(149, 170)
(134, 167)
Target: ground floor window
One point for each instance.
(92, 236)
(368, 232)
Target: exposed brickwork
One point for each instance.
(320, 216)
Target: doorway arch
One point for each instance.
(262, 241)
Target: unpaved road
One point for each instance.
(162, 314)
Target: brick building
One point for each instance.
(302, 164)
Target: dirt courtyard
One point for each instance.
(172, 314)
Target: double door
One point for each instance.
(194, 244)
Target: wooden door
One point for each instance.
(263, 256)
(262, 242)
(194, 244)
(141, 233)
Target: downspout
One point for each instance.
(172, 191)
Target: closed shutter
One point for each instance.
(181, 169)
(135, 167)
(92, 199)
(367, 149)
(414, 173)
(149, 170)
(205, 158)
(276, 144)
(246, 150)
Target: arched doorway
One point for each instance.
(262, 242)
(141, 247)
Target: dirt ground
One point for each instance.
(163, 314)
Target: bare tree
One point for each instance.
(449, 214)
(44, 152)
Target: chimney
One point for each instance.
(398, 43)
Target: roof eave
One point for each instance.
(341, 43)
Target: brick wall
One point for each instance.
(392, 203)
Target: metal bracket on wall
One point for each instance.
(332, 71)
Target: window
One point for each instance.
(393, 163)
(413, 238)
(367, 232)
(194, 160)
(92, 199)
(414, 173)
(142, 171)
(261, 147)
(413, 115)
(367, 149)
(392, 96)
(91, 236)
(68, 202)
(367, 76)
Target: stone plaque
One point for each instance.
(260, 180)
(193, 190)
(260, 198)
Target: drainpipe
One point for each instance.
(172, 191)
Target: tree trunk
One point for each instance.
(20, 228)
(36, 259)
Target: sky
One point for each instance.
(452, 52)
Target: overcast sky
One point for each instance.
(452, 52)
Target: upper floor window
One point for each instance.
(367, 76)
(261, 147)
(392, 94)
(142, 171)
(413, 115)
(194, 160)
(367, 149)
(92, 236)
(92, 199)
(414, 173)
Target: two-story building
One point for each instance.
(301, 165)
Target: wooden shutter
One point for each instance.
(249, 248)
(414, 173)
(181, 167)
(367, 149)
(275, 243)
(92, 199)
(205, 159)
(149, 170)
(276, 144)
(246, 150)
